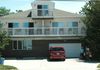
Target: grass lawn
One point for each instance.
(7, 67)
(98, 66)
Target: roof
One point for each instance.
(57, 13)
(61, 13)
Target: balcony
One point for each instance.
(45, 31)
(42, 14)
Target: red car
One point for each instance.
(56, 53)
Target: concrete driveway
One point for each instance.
(69, 64)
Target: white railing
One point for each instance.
(49, 31)
(42, 14)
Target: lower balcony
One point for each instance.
(46, 31)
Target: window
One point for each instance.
(42, 10)
(25, 24)
(22, 44)
(61, 24)
(56, 49)
(57, 24)
(14, 44)
(13, 25)
(54, 24)
(28, 24)
(70, 31)
(31, 24)
(19, 44)
(40, 13)
(72, 24)
(39, 6)
(45, 13)
(59, 27)
(61, 31)
(10, 25)
(45, 6)
(72, 27)
(75, 30)
(27, 45)
(42, 7)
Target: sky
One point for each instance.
(69, 6)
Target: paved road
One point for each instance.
(69, 64)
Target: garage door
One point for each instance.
(71, 49)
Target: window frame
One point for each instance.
(13, 25)
(22, 41)
(43, 11)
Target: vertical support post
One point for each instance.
(43, 27)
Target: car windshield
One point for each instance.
(56, 49)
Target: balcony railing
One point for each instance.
(49, 31)
(42, 14)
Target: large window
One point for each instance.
(72, 27)
(22, 44)
(42, 10)
(58, 27)
(12, 25)
(29, 31)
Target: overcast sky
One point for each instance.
(70, 6)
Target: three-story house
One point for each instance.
(33, 31)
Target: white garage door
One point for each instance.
(71, 49)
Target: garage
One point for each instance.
(71, 49)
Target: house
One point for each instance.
(33, 31)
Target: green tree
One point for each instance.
(91, 11)
(4, 11)
(4, 39)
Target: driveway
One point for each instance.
(69, 64)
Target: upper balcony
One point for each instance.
(42, 10)
(45, 31)
(36, 14)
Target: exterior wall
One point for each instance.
(39, 48)
(22, 20)
(19, 20)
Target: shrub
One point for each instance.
(7, 67)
